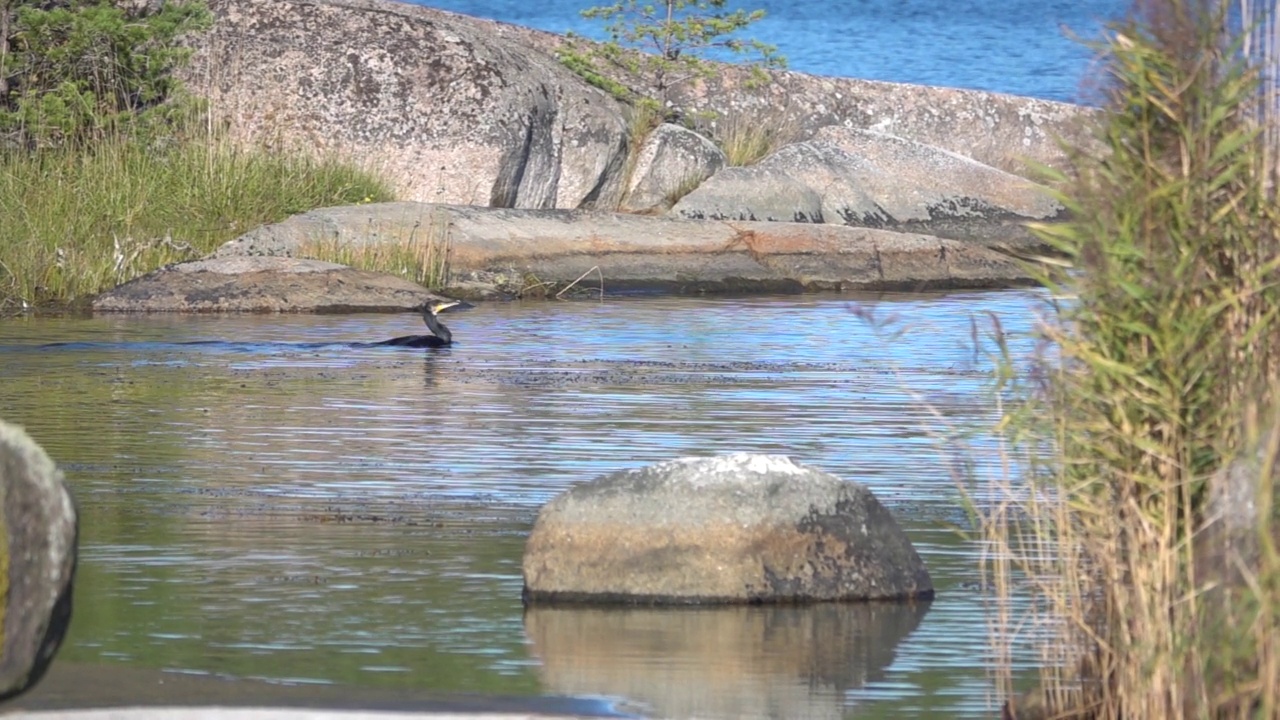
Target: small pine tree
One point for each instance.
(674, 40)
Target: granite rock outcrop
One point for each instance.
(996, 129)
(462, 110)
(446, 110)
(672, 160)
(871, 179)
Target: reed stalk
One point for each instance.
(1167, 341)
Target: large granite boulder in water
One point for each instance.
(732, 529)
(431, 99)
(37, 560)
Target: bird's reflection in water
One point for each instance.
(430, 370)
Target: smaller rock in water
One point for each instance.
(39, 557)
(739, 528)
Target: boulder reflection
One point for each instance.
(727, 662)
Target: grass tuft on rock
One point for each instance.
(746, 139)
(420, 255)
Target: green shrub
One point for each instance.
(77, 70)
(108, 170)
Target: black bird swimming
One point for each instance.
(440, 337)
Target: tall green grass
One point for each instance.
(81, 218)
(1166, 346)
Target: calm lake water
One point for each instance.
(1024, 47)
(259, 499)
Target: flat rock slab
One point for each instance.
(732, 529)
(657, 254)
(263, 284)
(37, 560)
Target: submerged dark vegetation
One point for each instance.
(109, 168)
(1142, 517)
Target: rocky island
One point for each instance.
(525, 174)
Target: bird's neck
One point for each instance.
(435, 326)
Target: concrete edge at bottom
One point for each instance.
(263, 713)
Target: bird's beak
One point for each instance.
(441, 307)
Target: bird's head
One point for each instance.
(439, 306)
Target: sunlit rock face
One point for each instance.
(738, 528)
(1003, 131)
(38, 556)
(456, 109)
(435, 101)
(672, 160)
(870, 179)
(1008, 132)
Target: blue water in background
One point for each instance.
(1023, 47)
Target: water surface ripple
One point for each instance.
(263, 499)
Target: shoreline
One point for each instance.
(69, 688)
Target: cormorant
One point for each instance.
(441, 336)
